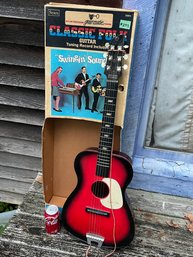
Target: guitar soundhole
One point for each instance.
(100, 189)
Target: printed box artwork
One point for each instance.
(75, 52)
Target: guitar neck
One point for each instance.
(107, 129)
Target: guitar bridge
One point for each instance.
(96, 239)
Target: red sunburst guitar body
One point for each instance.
(97, 211)
(98, 205)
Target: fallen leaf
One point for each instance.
(172, 224)
(190, 227)
(189, 216)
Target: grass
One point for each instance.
(4, 207)
(7, 207)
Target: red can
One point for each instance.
(52, 219)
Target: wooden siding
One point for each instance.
(22, 92)
(21, 102)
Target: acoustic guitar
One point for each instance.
(97, 211)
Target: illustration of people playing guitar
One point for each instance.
(81, 83)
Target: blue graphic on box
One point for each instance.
(69, 98)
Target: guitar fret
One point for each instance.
(110, 96)
(109, 123)
(108, 117)
(106, 132)
(106, 142)
(109, 110)
(107, 128)
(111, 80)
(110, 106)
(105, 152)
(102, 159)
(106, 137)
(103, 165)
(112, 110)
(112, 90)
(101, 151)
(104, 148)
(108, 113)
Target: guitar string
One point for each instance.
(94, 220)
(111, 203)
(114, 221)
(96, 201)
(109, 141)
(99, 168)
(110, 109)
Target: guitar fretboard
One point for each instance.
(107, 129)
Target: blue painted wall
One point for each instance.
(154, 170)
(147, 14)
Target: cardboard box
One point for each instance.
(75, 36)
(63, 139)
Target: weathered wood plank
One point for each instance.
(20, 147)
(20, 131)
(172, 206)
(161, 204)
(18, 187)
(33, 10)
(22, 32)
(29, 56)
(20, 174)
(21, 250)
(20, 161)
(21, 115)
(154, 237)
(9, 197)
(15, 176)
(22, 77)
(21, 97)
(152, 231)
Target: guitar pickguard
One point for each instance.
(114, 200)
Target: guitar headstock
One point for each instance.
(116, 52)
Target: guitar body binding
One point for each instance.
(98, 205)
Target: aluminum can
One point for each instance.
(52, 219)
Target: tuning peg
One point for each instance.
(125, 46)
(125, 66)
(108, 67)
(125, 57)
(105, 55)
